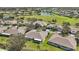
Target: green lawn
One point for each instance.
(72, 21)
(2, 49)
(45, 18)
(3, 39)
(60, 19)
(3, 42)
(43, 46)
(31, 45)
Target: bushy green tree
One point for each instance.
(1, 15)
(66, 29)
(77, 24)
(16, 42)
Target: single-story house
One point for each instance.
(41, 23)
(12, 30)
(3, 28)
(25, 22)
(22, 30)
(37, 36)
(59, 28)
(66, 43)
(1, 22)
(74, 30)
(13, 22)
(7, 22)
(10, 22)
(50, 26)
(55, 27)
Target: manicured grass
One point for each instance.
(3, 42)
(30, 45)
(2, 49)
(43, 46)
(48, 47)
(45, 18)
(3, 39)
(60, 19)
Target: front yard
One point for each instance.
(3, 42)
(43, 46)
(32, 46)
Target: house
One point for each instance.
(74, 30)
(10, 31)
(50, 26)
(10, 22)
(13, 22)
(25, 22)
(37, 36)
(54, 27)
(1, 22)
(66, 43)
(22, 30)
(6, 22)
(40, 23)
(3, 28)
(59, 28)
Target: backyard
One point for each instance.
(33, 46)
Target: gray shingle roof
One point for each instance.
(69, 41)
(74, 30)
(22, 30)
(42, 23)
(2, 28)
(12, 30)
(36, 35)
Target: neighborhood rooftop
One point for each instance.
(39, 36)
(68, 42)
